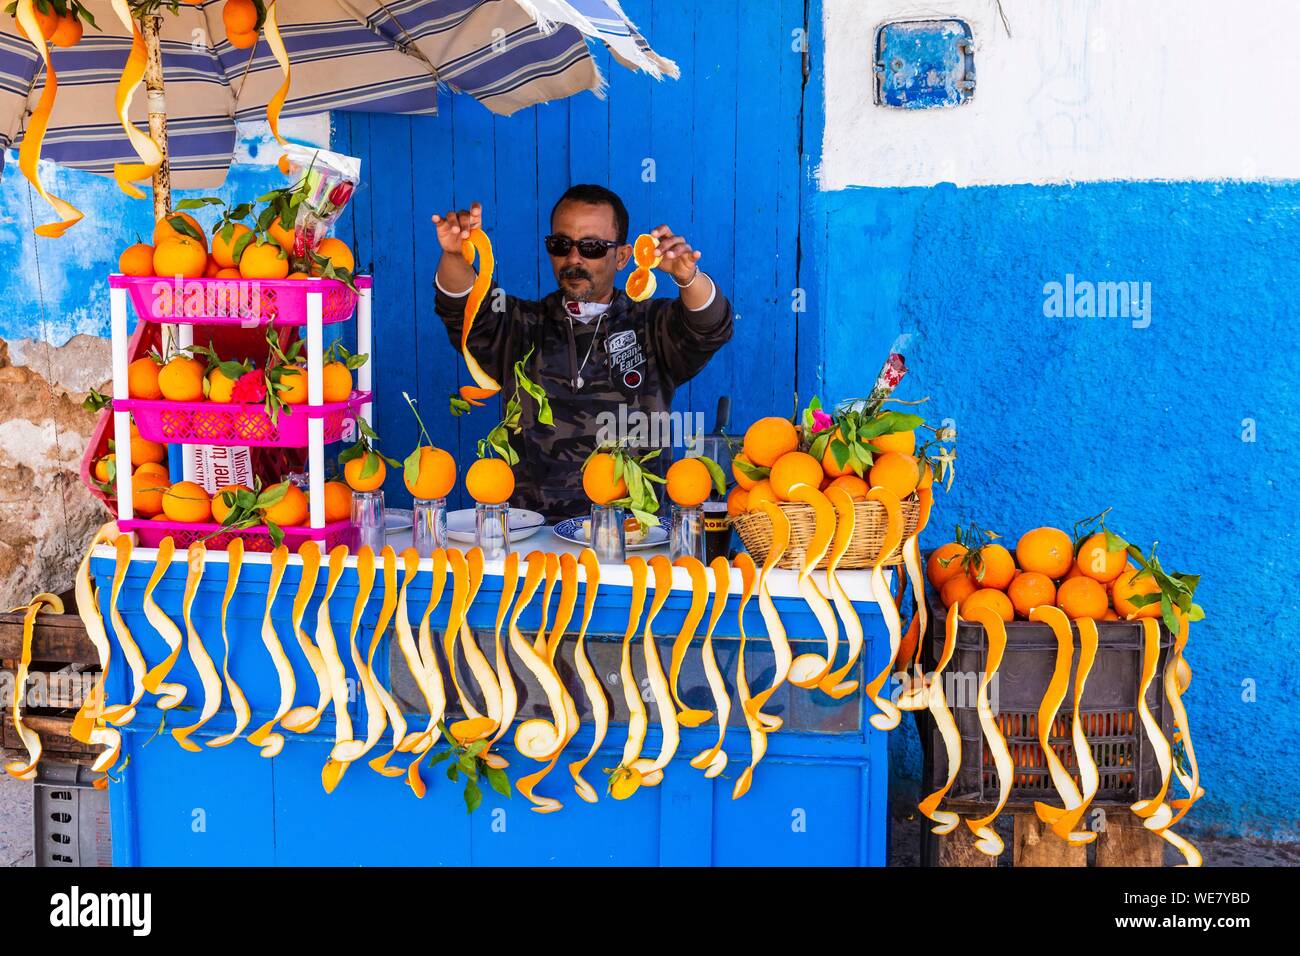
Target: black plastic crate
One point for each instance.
(1125, 759)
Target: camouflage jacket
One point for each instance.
(639, 353)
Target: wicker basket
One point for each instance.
(755, 529)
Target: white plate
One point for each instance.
(397, 519)
(523, 524)
(573, 529)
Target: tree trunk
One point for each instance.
(151, 28)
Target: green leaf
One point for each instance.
(199, 203)
(242, 243)
(715, 472)
(645, 518)
(498, 780)
(750, 470)
(453, 771)
(411, 467)
(273, 495)
(1195, 613)
(1167, 613)
(275, 533)
(183, 227)
(369, 467)
(1114, 542)
(473, 796)
(439, 757)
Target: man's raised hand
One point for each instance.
(454, 227)
(679, 260)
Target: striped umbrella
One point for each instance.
(386, 56)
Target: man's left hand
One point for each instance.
(679, 260)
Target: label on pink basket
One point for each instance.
(217, 466)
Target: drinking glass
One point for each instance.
(492, 530)
(429, 525)
(686, 535)
(607, 534)
(368, 519)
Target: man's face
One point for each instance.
(587, 280)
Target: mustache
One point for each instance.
(575, 272)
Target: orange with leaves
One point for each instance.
(142, 379)
(181, 379)
(163, 229)
(490, 481)
(1128, 586)
(1099, 563)
(263, 260)
(223, 248)
(337, 252)
(945, 562)
(598, 481)
(993, 568)
(896, 472)
(990, 599)
(435, 474)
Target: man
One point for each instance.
(593, 347)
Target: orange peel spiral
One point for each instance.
(714, 760)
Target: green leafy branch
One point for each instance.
(1176, 588)
(337, 352)
(973, 538)
(61, 7)
(497, 441)
(247, 509)
(470, 760)
(365, 445)
(641, 498)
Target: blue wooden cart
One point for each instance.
(818, 798)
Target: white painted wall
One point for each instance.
(1081, 90)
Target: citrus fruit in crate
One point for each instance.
(263, 260)
(68, 33)
(1081, 597)
(994, 567)
(223, 248)
(156, 468)
(1097, 562)
(136, 260)
(366, 472)
(220, 388)
(896, 472)
(1046, 550)
(641, 284)
(436, 476)
(490, 481)
(645, 252)
(904, 442)
(102, 469)
(955, 589)
(338, 502)
(292, 510)
(181, 380)
(337, 252)
(1127, 586)
(143, 450)
(988, 599)
(689, 482)
(855, 486)
(212, 269)
(187, 502)
(598, 481)
(180, 256)
(283, 237)
(163, 229)
(737, 502)
(294, 380)
(336, 383)
(219, 507)
(743, 480)
(142, 379)
(1029, 589)
(768, 439)
(794, 468)
(944, 563)
(147, 490)
(761, 492)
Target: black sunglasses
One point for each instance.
(559, 246)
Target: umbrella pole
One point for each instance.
(151, 27)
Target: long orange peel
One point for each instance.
(155, 679)
(537, 738)
(889, 715)
(689, 716)
(587, 676)
(757, 732)
(1089, 779)
(670, 733)
(1174, 689)
(265, 737)
(913, 695)
(505, 678)
(31, 740)
(406, 641)
(1062, 819)
(146, 148)
(808, 670)
(714, 760)
(124, 713)
(238, 702)
(209, 679)
(345, 747)
(946, 821)
(833, 683)
(485, 386)
(88, 726)
(782, 657)
(392, 713)
(987, 840)
(426, 666)
(376, 718)
(625, 779)
(29, 152)
(479, 666)
(271, 30)
(302, 720)
(467, 576)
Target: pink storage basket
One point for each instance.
(241, 302)
(215, 423)
(151, 533)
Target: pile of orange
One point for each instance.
(1047, 569)
(774, 444)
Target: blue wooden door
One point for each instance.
(716, 155)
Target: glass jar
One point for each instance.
(492, 530)
(368, 520)
(607, 534)
(429, 525)
(686, 534)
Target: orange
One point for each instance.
(902, 442)
(147, 491)
(793, 468)
(181, 380)
(231, 273)
(990, 599)
(760, 493)
(352, 473)
(242, 41)
(855, 486)
(1046, 550)
(144, 451)
(142, 379)
(641, 284)
(291, 510)
(283, 164)
(742, 479)
(337, 252)
(944, 563)
(828, 458)
(181, 256)
(263, 260)
(338, 502)
(188, 502)
(1110, 615)
(136, 260)
(239, 16)
(213, 268)
(223, 250)
(156, 468)
(68, 32)
(689, 482)
(47, 20)
(768, 439)
(1029, 589)
(645, 251)
(294, 379)
(336, 385)
(598, 480)
(997, 570)
(297, 275)
(1082, 597)
(165, 230)
(436, 478)
(1098, 563)
(1126, 588)
(220, 388)
(737, 502)
(490, 481)
(895, 471)
(282, 236)
(101, 466)
(955, 589)
(219, 508)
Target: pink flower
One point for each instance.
(250, 389)
(821, 421)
